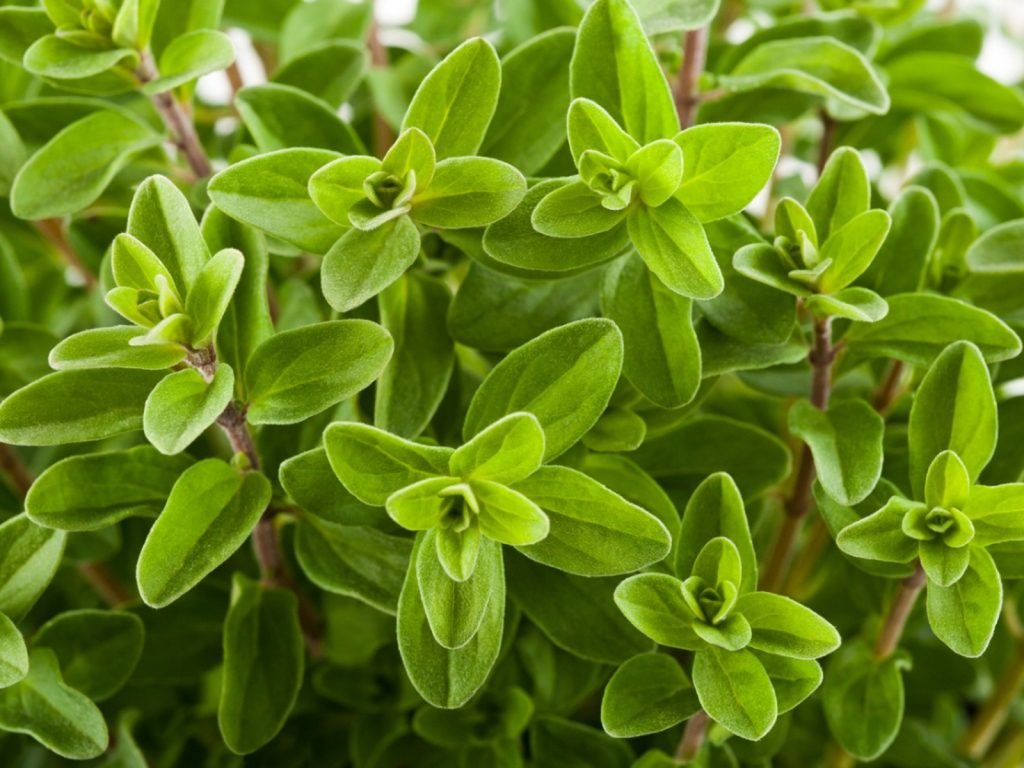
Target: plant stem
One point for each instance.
(686, 93)
(15, 470)
(383, 135)
(992, 716)
(892, 629)
(177, 121)
(890, 389)
(53, 231)
(799, 503)
(693, 736)
(828, 140)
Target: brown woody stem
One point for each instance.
(53, 231)
(891, 387)
(687, 90)
(383, 135)
(896, 620)
(693, 736)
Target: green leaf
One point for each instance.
(133, 24)
(19, 29)
(296, 374)
(446, 678)
(996, 512)
(615, 66)
(818, 66)
(280, 117)
(672, 242)
(455, 102)
(183, 405)
(211, 511)
(353, 560)
(88, 492)
(456, 610)
(725, 165)
(210, 294)
(954, 409)
(528, 128)
(716, 509)
(675, 15)
(263, 664)
(330, 70)
(658, 170)
(74, 168)
(574, 210)
(189, 57)
(552, 739)
(857, 304)
(900, 264)
(13, 653)
(919, 326)
(648, 694)
(509, 450)
(310, 482)
(879, 536)
(964, 615)
(112, 348)
(97, 650)
(269, 192)
(947, 483)
(735, 691)
(508, 516)
(57, 57)
(785, 627)
(944, 564)
(851, 248)
(373, 464)
(590, 126)
(564, 377)
(863, 698)
(409, 391)
(361, 264)
(469, 192)
(60, 718)
(29, 557)
(842, 193)
(594, 531)
(307, 24)
(161, 218)
(846, 442)
(654, 604)
(793, 679)
(339, 185)
(577, 613)
(662, 356)
(76, 406)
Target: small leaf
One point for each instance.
(52, 712)
(298, 373)
(735, 690)
(281, 117)
(183, 405)
(330, 70)
(879, 536)
(445, 678)
(112, 348)
(469, 192)
(508, 516)
(648, 694)
(997, 513)
(846, 442)
(76, 406)
(190, 56)
(784, 627)
(564, 377)
(29, 557)
(211, 511)
(13, 653)
(263, 664)
(654, 604)
(374, 464)
(964, 614)
(210, 294)
(509, 450)
(842, 193)
(454, 103)
(56, 57)
(851, 249)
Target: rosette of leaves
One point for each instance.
(497, 489)
(820, 249)
(950, 520)
(428, 180)
(754, 653)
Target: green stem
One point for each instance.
(896, 620)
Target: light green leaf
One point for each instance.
(361, 264)
(661, 16)
(648, 694)
(785, 627)
(654, 604)
(509, 450)
(662, 356)
(564, 377)
(13, 653)
(735, 690)
(725, 165)
(614, 65)
(469, 192)
(574, 210)
(851, 249)
(373, 464)
(211, 511)
(331, 70)
(997, 513)
(879, 536)
(20, 27)
(280, 117)
(57, 57)
(858, 304)
(445, 678)
(409, 391)
(508, 516)
(353, 560)
(269, 192)
(89, 492)
(943, 564)
(133, 24)
(210, 294)
(189, 57)
(338, 186)
(846, 442)
(954, 409)
(593, 531)
(112, 348)
(591, 127)
(900, 264)
(947, 483)
(842, 193)
(296, 374)
(263, 664)
(964, 615)
(97, 650)
(76, 406)
(672, 242)
(29, 557)
(310, 482)
(793, 679)
(183, 405)
(455, 102)
(60, 718)
(74, 168)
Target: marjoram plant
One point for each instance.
(550, 383)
